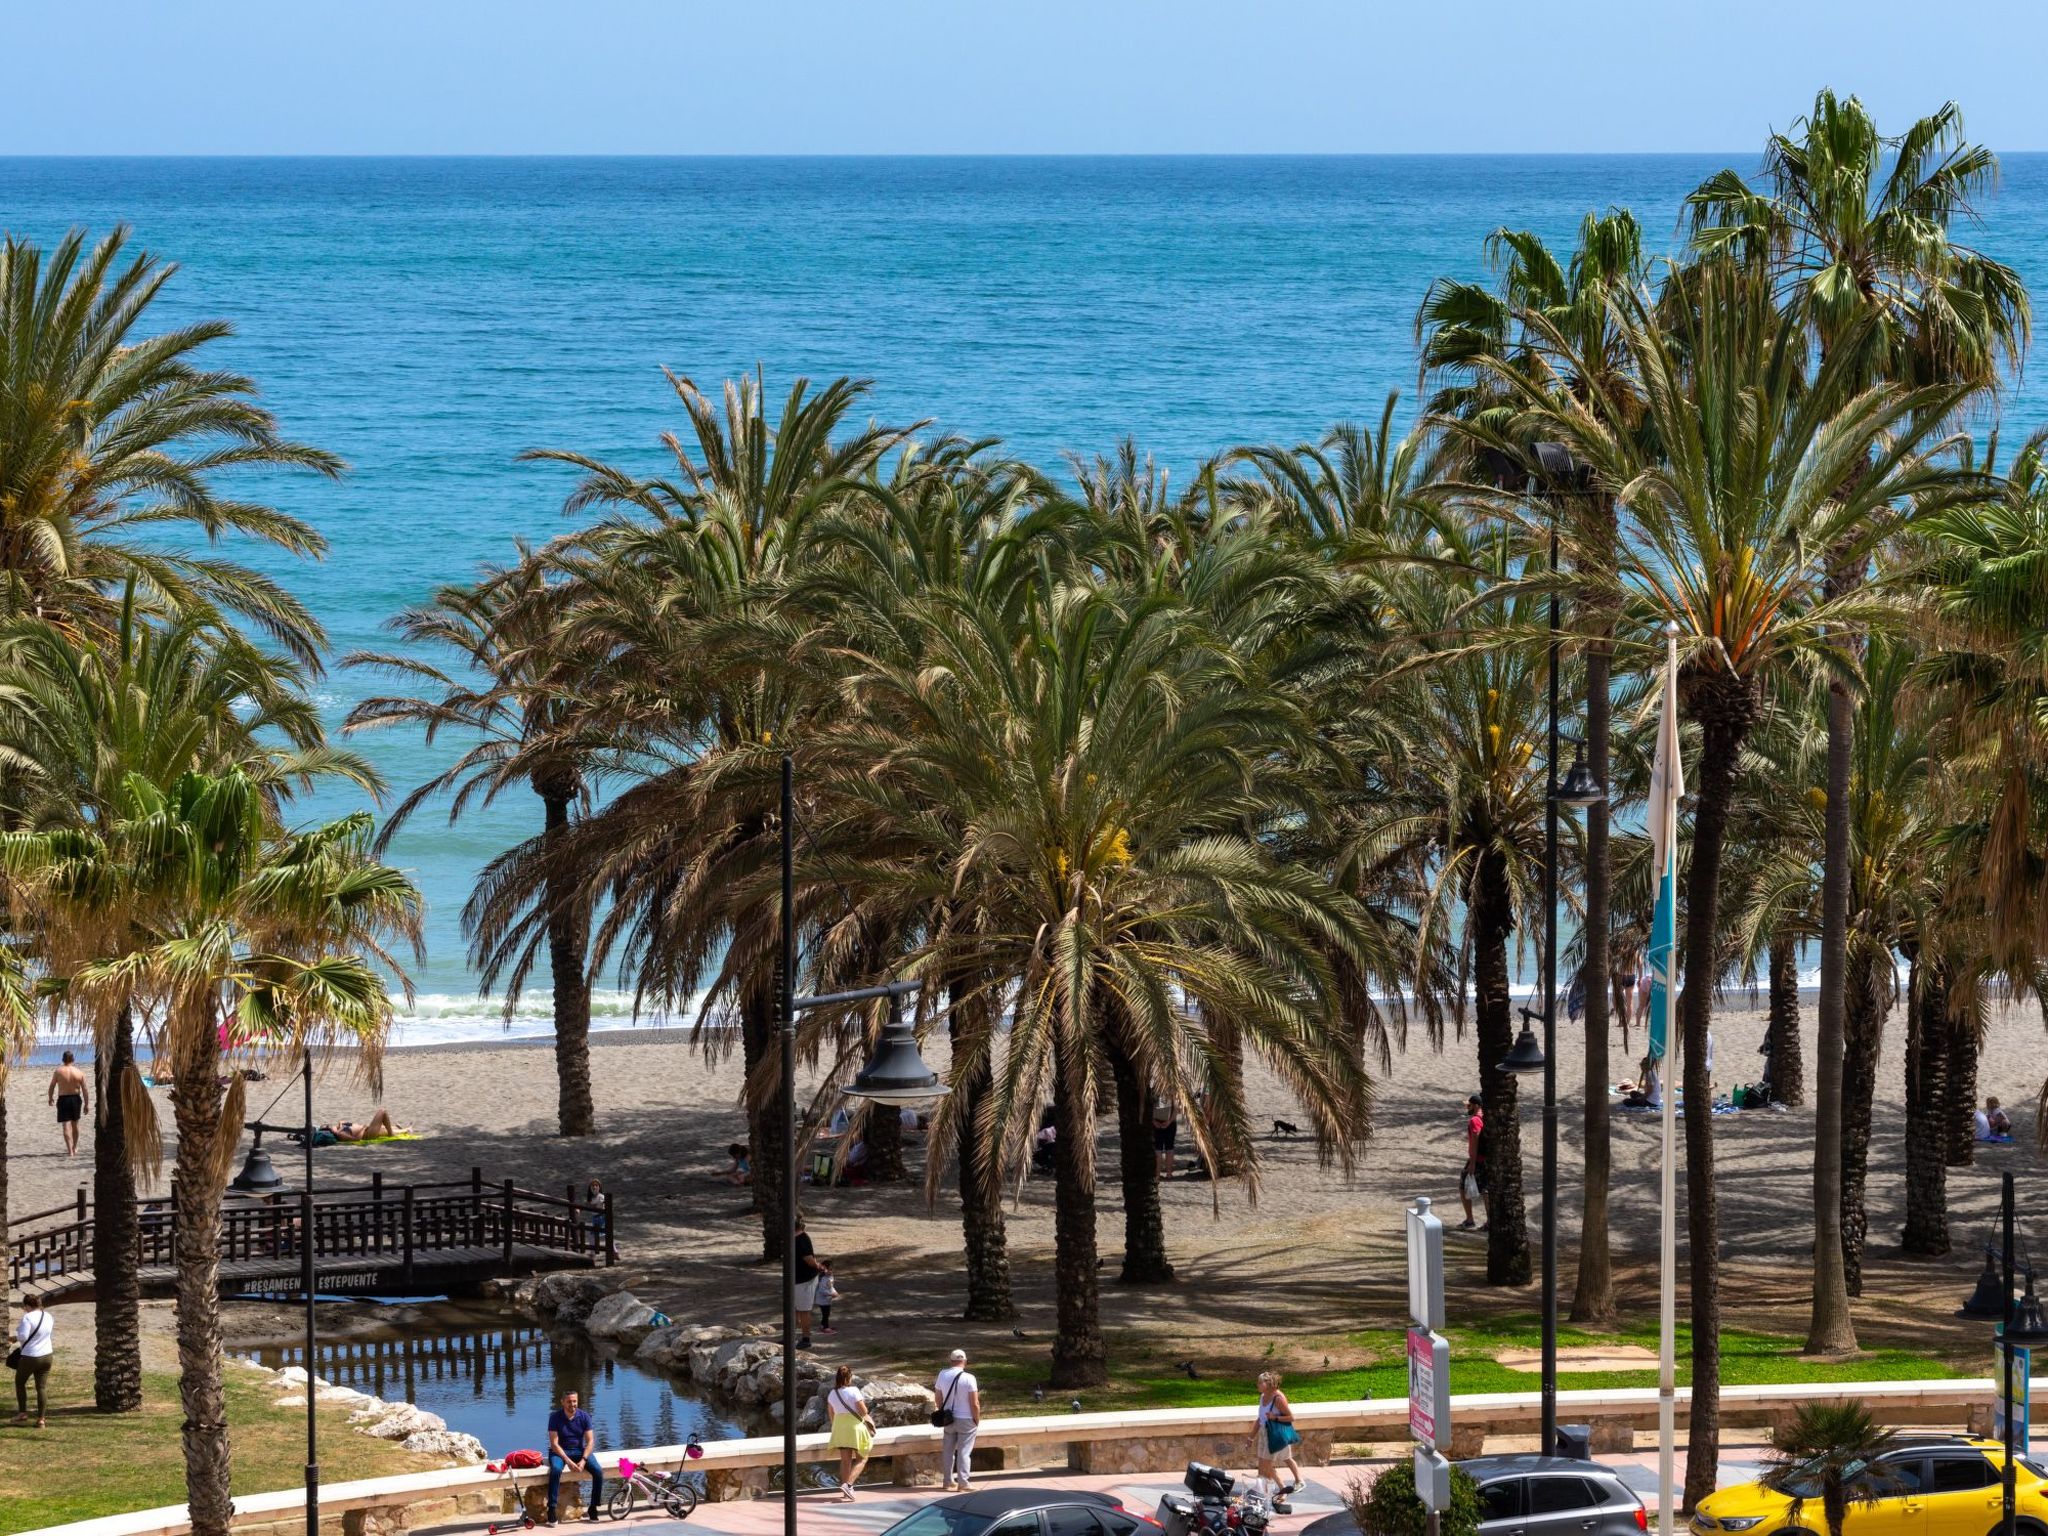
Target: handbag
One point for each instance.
(943, 1415)
(13, 1359)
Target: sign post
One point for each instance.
(1429, 1363)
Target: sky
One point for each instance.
(995, 76)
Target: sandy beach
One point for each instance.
(1315, 1257)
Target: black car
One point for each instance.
(1025, 1512)
(1553, 1496)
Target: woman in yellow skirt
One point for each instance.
(853, 1428)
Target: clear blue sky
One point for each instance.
(993, 76)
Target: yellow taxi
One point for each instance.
(1936, 1485)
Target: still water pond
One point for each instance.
(496, 1378)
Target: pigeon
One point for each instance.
(1075, 1405)
(1018, 1333)
(1038, 1394)
(1326, 1362)
(1187, 1369)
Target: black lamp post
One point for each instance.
(1578, 790)
(2021, 1326)
(895, 1074)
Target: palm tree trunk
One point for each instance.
(1079, 1357)
(6, 1290)
(1145, 1261)
(1788, 1063)
(983, 1230)
(1928, 1033)
(1507, 1234)
(766, 1115)
(196, 1197)
(1862, 1042)
(1724, 707)
(1832, 1331)
(1593, 1292)
(117, 1277)
(567, 936)
(1959, 1130)
(883, 1132)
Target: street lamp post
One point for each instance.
(1578, 790)
(2020, 1326)
(894, 1074)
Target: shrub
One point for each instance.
(1389, 1506)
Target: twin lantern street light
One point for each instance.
(895, 1074)
(2022, 1326)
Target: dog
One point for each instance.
(1286, 1128)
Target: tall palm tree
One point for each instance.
(109, 435)
(156, 698)
(273, 935)
(653, 586)
(512, 699)
(1458, 324)
(1854, 231)
(1765, 462)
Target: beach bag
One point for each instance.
(1280, 1435)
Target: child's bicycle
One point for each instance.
(676, 1493)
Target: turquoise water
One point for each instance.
(429, 319)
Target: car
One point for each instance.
(1025, 1512)
(1553, 1496)
(1924, 1485)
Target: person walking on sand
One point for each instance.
(35, 1347)
(68, 1093)
(1472, 1177)
(1274, 1438)
(1165, 1131)
(807, 1271)
(572, 1448)
(853, 1429)
(958, 1417)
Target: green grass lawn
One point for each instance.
(87, 1464)
(1146, 1378)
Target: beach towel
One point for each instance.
(375, 1141)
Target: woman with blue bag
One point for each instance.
(1274, 1438)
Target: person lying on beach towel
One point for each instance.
(378, 1127)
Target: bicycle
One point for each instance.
(675, 1493)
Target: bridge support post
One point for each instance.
(508, 1226)
(476, 1207)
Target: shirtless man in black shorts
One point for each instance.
(68, 1093)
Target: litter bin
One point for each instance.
(1574, 1442)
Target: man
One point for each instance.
(1165, 1127)
(572, 1449)
(959, 1394)
(1472, 1177)
(807, 1271)
(68, 1093)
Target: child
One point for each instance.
(826, 1295)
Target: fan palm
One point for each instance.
(1765, 462)
(512, 700)
(1830, 1452)
(109, 436)
(1854, 232)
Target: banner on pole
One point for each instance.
(1667, 785)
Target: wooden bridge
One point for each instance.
(374, 1240)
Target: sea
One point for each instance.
(432, 319)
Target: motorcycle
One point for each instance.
(1212, 1506)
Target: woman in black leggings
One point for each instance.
(32, 1363)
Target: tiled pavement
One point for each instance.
(1318, 1509)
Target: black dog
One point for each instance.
(1286, 1128)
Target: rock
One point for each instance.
(396, 1421)
(567, 1295)
(669, 1348)
(290, 1400)
(895, 1400)
(348, 1395)
(451, 1443)
(622, 1316)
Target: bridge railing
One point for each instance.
(370, 1222)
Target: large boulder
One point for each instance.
(737, 1366)
(568, 1295)
(895, 1400)
(395, 1421)
(451, 1443)
(668, 1348)
(622, 1316)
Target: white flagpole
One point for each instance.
(1667, 1252)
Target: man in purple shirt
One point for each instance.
(572, 1448)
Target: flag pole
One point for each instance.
(1667, 1247)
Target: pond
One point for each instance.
(496, 1377)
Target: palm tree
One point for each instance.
(157, 699)
(513, 700)
(1458, 324)
(1762, 459)
(1829, 1452)
(271, 934)
(1855, 234)
(653, 587)
(108, 435)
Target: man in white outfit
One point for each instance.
(959, 1394)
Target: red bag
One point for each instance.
(518, 1461)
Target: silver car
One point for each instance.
(1553, 1496)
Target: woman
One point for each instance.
(35, 1347)
(1274, 1438)
(853, 1429)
